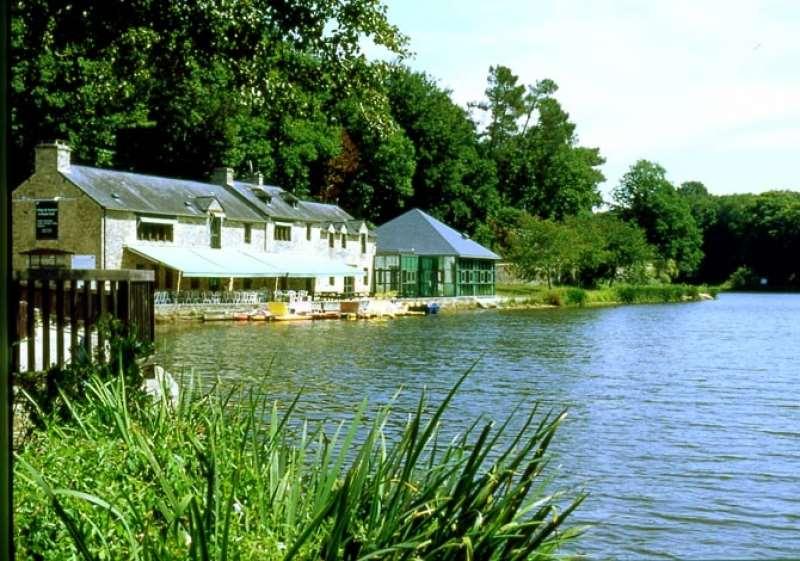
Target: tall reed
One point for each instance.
(215, 478)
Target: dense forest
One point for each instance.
(284, 87)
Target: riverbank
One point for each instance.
(513, 296)
(533, 296)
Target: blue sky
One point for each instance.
(709, 89)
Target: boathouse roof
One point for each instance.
(420, 233)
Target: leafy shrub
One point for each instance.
(576, 296)
(742, 278)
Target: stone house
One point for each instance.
(222, 234)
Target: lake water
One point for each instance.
(684, 419)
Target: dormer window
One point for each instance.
(262, 195)
(344, 240)
(330, 240)
(363, 243)
(293, 201)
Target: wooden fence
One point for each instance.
(57, 311)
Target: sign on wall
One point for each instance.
(46, 220)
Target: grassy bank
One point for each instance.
(566, 296)
(118, 477)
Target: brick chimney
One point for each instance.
(53, 156)
(222, 176)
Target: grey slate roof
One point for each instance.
(118, 190)
(150, 194)
(280, 207)
(421, 234)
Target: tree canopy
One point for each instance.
(646, 197)
(286, 88)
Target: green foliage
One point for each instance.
(576, 296)
(49, 393)
(760, 232)
(540, 167)
(646, 197)
(581, 250)
(742, 278)
(213, 477)
(179, 88)
(543, 248)
(554, 297)
(451, 179)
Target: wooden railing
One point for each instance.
(57, 311)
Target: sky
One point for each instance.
(708, 89)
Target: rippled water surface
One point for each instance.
(684, 421)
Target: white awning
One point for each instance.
(226, 263)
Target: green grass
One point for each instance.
(216, 478)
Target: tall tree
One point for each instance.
(646, 197)
(451, 180)
(540, 166)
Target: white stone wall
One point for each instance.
(120, 230)
(233, 235)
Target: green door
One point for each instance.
(428, 276)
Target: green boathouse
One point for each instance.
(419, 256)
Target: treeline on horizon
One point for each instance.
(285, 88)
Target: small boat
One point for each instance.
(260, 315)
(431, 308)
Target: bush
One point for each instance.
(576, 296)
(209, 478)
(554, 297)
(742, 278)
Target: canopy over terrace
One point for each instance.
(201, 262)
